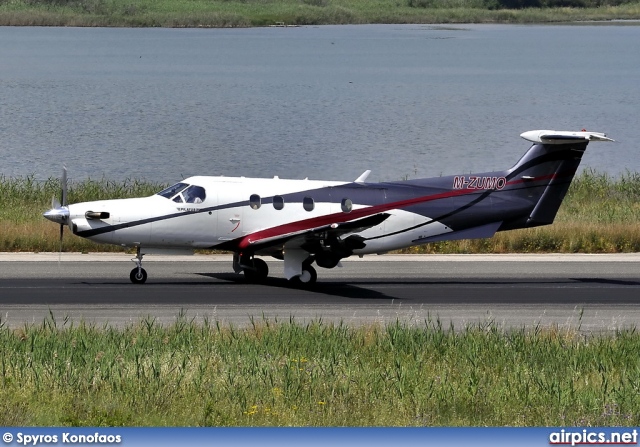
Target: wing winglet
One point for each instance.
(363, 177)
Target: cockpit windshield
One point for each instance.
(184, 193)
(172, 190)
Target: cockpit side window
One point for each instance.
(172, 190)
(194, 194)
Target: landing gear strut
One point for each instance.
(138, 275)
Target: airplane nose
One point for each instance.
(58, 215)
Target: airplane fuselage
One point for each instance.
(228, 218)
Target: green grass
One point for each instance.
(315, 374)
(600, 214)
(246, 13)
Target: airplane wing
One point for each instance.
(263, 240)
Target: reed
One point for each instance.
(61, 373)
(246, 13)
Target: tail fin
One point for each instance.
(547, 169)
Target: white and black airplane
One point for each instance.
(311, 221)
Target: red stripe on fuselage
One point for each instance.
(321, 221)
(329, 219)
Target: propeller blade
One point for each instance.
(60, 252)
(63, 187)
(59, 212)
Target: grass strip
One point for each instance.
(599, 215)
(315, 374)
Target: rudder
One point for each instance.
(548, 168)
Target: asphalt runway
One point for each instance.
(592, 293)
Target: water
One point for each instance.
(320, 102)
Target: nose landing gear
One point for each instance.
(138, 275)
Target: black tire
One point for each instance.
(262, 269)
(138, 278)
(258, 273)
(308, 277)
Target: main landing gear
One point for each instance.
(308, 276)
(138, 275)
(255, 270)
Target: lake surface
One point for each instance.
(320, 102)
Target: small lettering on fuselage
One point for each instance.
(474, 182)
(187, 209)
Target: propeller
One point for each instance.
(59, 212)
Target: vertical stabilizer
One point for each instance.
(545, 172)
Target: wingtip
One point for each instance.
(363, 176)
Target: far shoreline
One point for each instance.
(285, 13)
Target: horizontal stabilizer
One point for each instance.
(562, 136)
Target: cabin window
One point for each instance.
(278, 202)
(254, 201)
(307, 204)
(346, 205)
(178, 199)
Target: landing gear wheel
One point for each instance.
(308, 277)
(138, 277)
(262, 269)
(258, 273)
